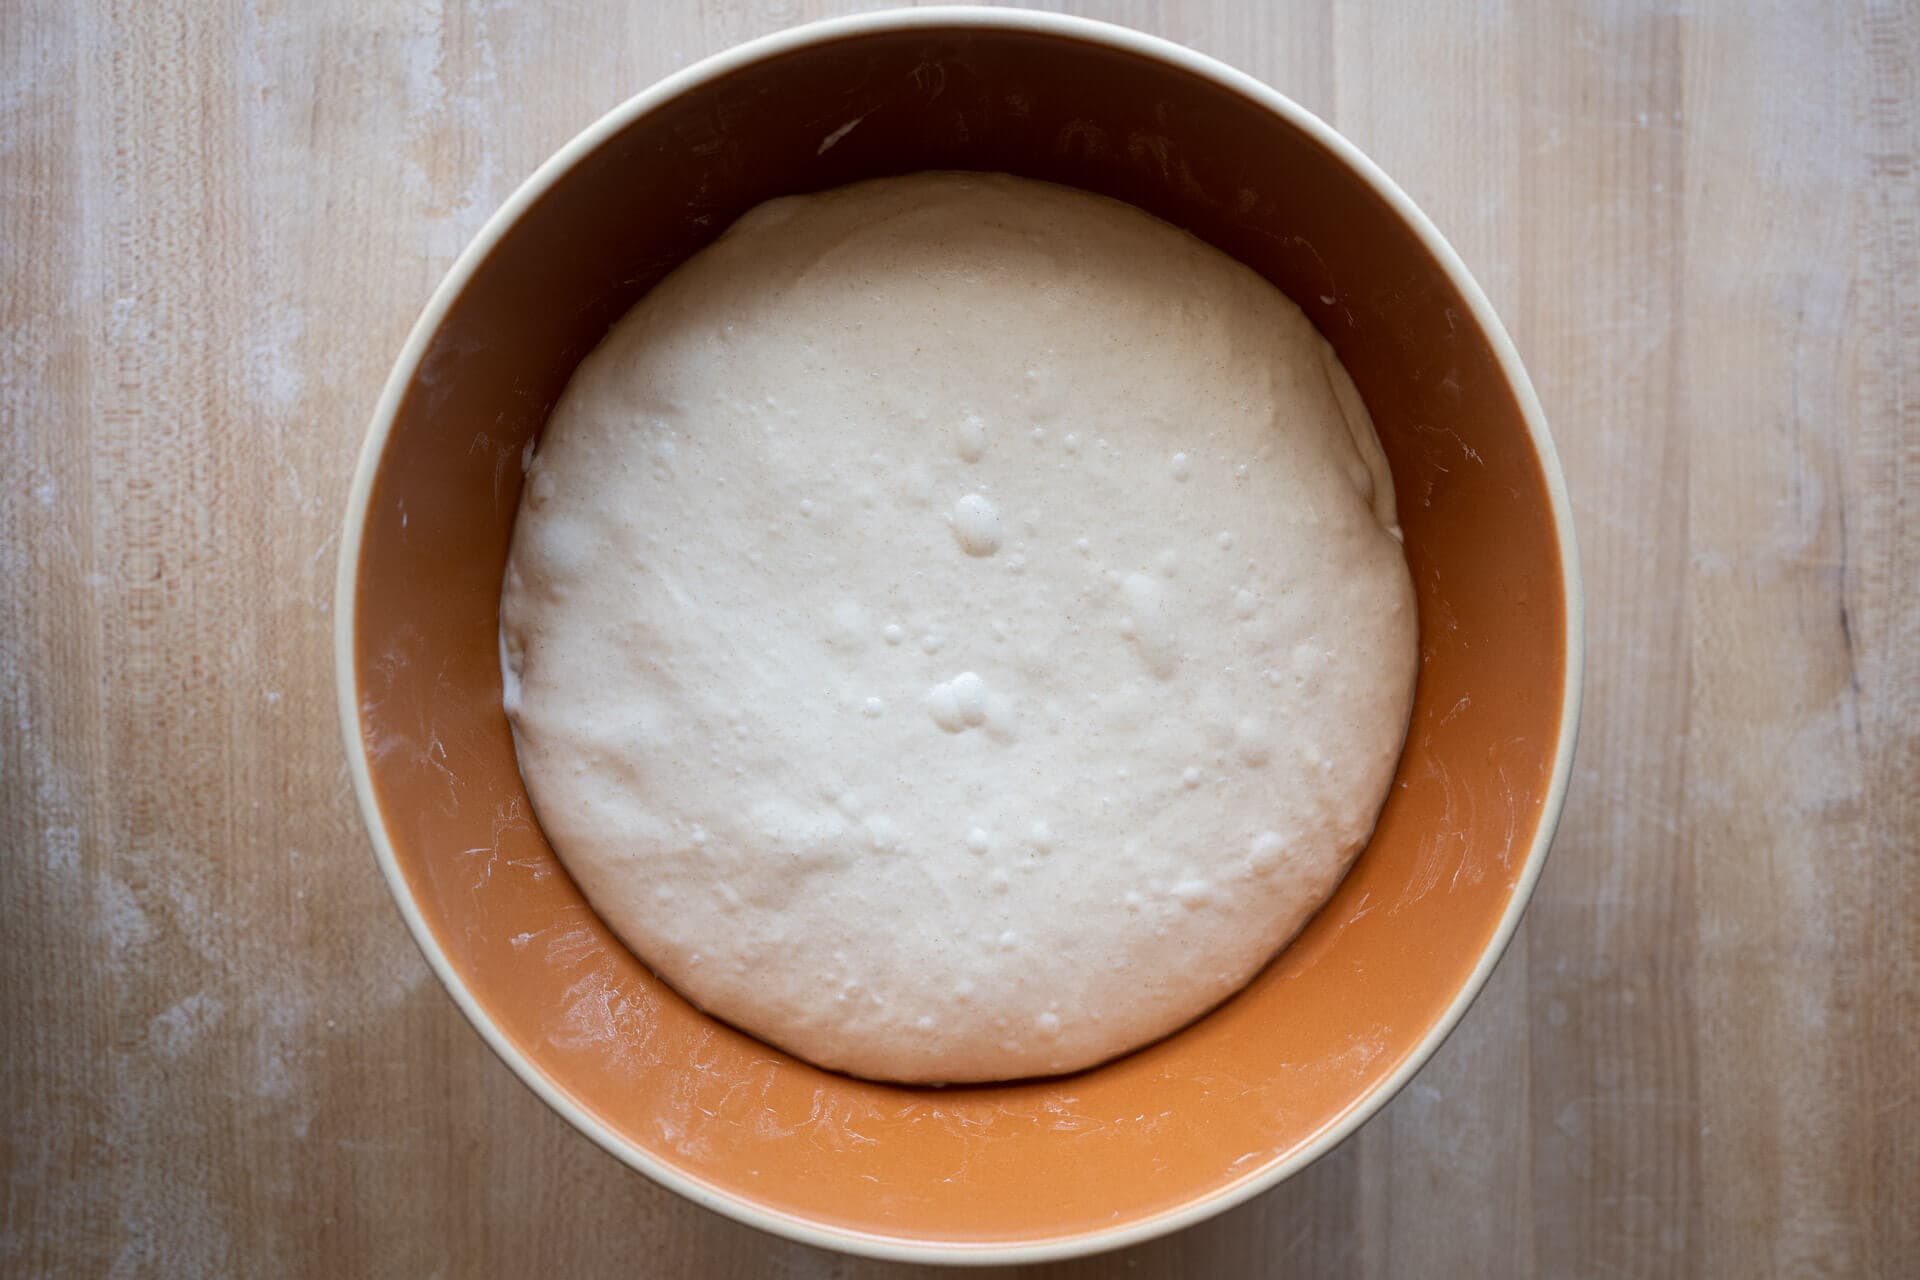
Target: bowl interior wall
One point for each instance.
(1326, 1023)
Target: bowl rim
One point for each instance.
(1122, 39)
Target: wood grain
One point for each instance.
(222, 1053)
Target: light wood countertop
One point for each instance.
(1701, 222)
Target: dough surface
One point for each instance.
(956, 628)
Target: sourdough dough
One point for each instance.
(956, 627)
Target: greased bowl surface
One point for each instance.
(1184, 1128)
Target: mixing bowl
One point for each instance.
(1168, 1135)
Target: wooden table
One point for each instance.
(222, 1052)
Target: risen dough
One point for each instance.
(956, 627)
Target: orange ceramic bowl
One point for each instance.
(1166, 1136)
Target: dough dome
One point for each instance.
(956, 627)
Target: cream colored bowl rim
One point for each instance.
(721, 64)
